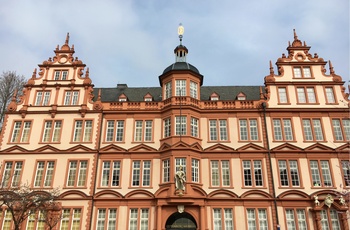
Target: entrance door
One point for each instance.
(181, 221)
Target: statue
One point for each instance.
(329, 200)
(317, 202)
(180, 179)
(342, 201)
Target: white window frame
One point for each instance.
(141, 173)
(282, 95)
(44, 174)
(71, 97)
(193, 89)
(143, 131)
(60, 75)
(248, 129)
(180, 88)
(320, 173)
(194, 127)
(139, 219)
(168, 90)
(312, 129)
(220, 173)
(289, 173)
(167, 127)
(218, 130)
(252, 173)
(166, 170)
(52, 134)
(330, 97)
(20, 132)
(12, 174)
(180, 125)
(82, 131)
(77, 173)
(42, 98)
(195, 170)
(223, 219)
(111, 173)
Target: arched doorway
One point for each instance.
(181, 221)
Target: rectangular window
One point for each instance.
(115, 131)
(312, 130)
(193, 89)
(302, 72)
(296, 219)
(71, 98)
(341, 129)
(106, 219)
(42, 98)
(252, 172)
(248, 129)
(223, 219)
(180, 88)
(195, 170)
(61, 75)
(44, 173)
(194, 127)
(143, 131)
(180, 125)
(168, 90)
(7, 220)
(257, 219)
(330, 95)
(306, 95)
(71, 219)
(167, 127)
(346, 172)
(282, 130)
(12, 174)
(141, 173)
(52, 131)
(166, 170)
(330, 219)
(218, 130)
(282, 95)
(320, 173)
(21, 131)
(82, 131)
(289, 173)
(138, 219)
(77, 173)
(220, 173)
(110, 173)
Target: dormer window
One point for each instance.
(214, 97)
(241, 97)
(302, 72)
(193, 89)
(180, 88)
(61, 75)
(148, 99)
(122, 98)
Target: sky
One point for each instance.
(132, 41)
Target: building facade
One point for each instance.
(182, 155)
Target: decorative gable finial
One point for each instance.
(180, 32)
(296, 41)
(67, 39)
(331, 70)
(271, 69)
(295, 35)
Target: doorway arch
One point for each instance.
(181, 221)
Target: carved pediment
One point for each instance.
(287, 147)
(251, 147)
(79, 148)
(112, 148)
(15, 149)
(48, 149)
(142, 148)
(318, 147)
(219, 148)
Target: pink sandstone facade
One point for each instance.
(274, 156)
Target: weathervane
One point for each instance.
(180, 32)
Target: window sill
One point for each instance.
(254, 187)
(140, 187)
(290, 187)
(221, 187)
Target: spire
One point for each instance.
(180, 51)
(331, 70)
(67, 39)
(271, 69)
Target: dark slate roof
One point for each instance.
(181, 66)
(137, 94)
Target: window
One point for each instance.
(42, 98)
(330, 219)
(282, 95)
(12, 174)
(36, 221)
(71, 98)
(218, 130)
(141, 173)
(138, 219)
(223, 218)
(82, 131)
(115, 131)
(143, 131)
(312, 130)
(195, 170)
(77, 173)
(341, 129)
(220, 173)
(282, 130)
(252, 172)
(193, 90)
(21, 131)
(296, 219)
(320, 177)
(71, 219)
(302, 72)
(61, 75)
(52, 131)
(289, 173)
(306, 95)
(110, 173)
(166, 170)
(257, 219)
(346, 171)
(106, 218)
(167, 127)
(330, 95)
(44, 173)
(180, 125)
(248, 129)
(7, 220)
(180, 88)
(194, 127)
(168, 90)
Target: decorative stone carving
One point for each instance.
(180, 180)
(180, 208)
(317, 202)
(329, 200)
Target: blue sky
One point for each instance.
(122, 41)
